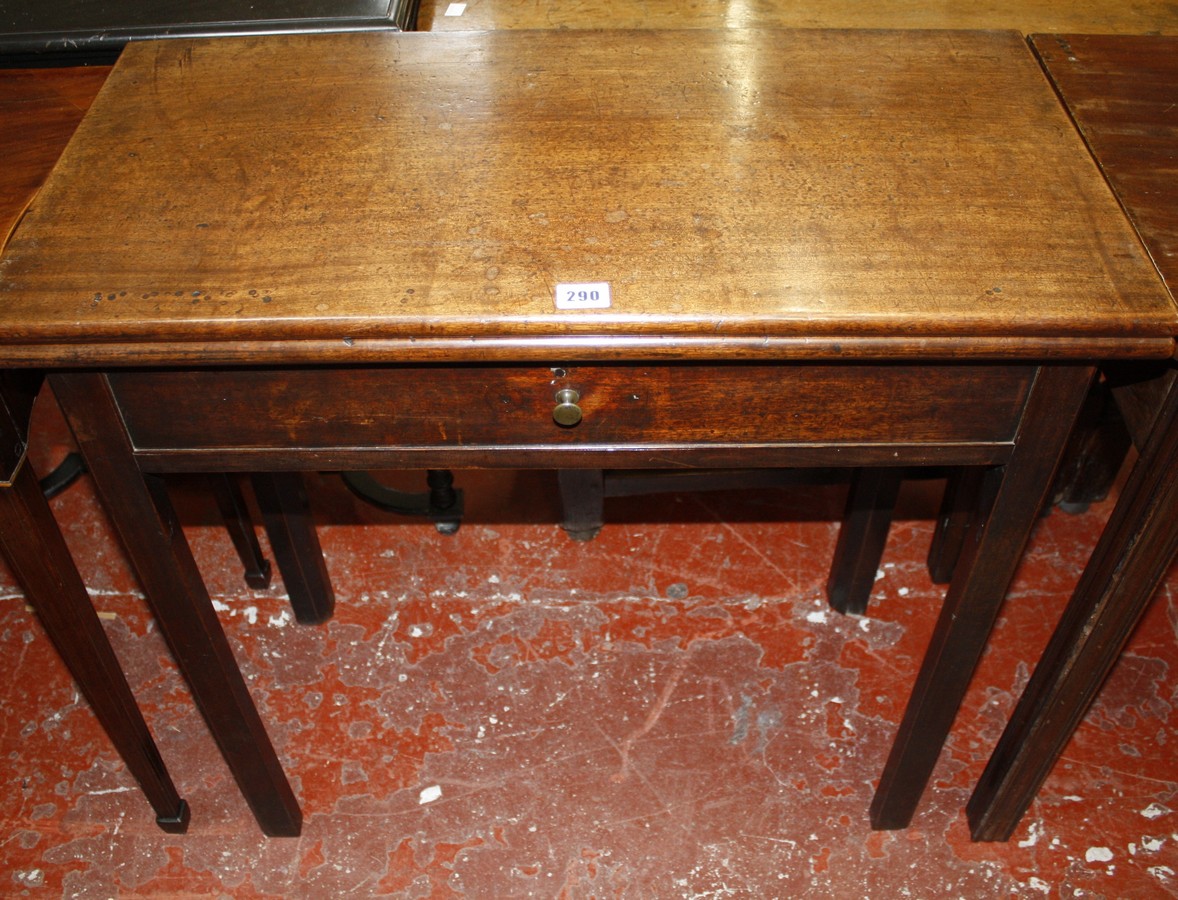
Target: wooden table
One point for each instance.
(356, 251)
(1123, 95)
(39, 110)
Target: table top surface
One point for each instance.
(743, 193)
(85, 28)
(1122, 92)
(39, 110)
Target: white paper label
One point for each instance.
(455, 9)
(587, 295)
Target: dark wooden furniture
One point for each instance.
(39, 111)
(73, 32)
(37, 554)
(1122, 93)
(307, 263)
(40, 107)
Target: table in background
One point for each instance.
(355, 251)
(53, 60)
(74, 32)
(39, 110)
(1122, 93)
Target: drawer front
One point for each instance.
(618, 406)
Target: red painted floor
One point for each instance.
(668, 711)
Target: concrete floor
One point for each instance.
(670, 710)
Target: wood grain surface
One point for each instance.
(896, 193)
(1123, 94)
(484, 412)
(39, 110)
(1093, 16)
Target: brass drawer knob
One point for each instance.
(567, 413)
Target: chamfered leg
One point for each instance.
(980, 581)
(862, 536)
(147, 524)
(1130, 560)
(37, 554)
(582, 500)
(286, 513)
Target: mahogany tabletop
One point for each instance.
(1122, 92)
(39, 110)
(781, 194)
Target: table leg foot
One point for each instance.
(177, 823)
(582, 501)
(291, 530)
(240, 525)
(864, 532)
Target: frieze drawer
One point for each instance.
(576, 407)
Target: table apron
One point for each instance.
(655, 415)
